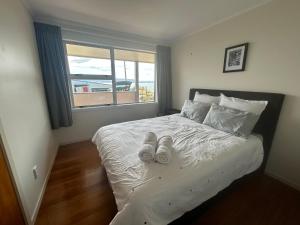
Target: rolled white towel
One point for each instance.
(163, 154)
(150, 138)
(166, 141)
(147, 153)
(164, 151)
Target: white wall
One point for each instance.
(88, 121)
(24, 124)
(273, 31)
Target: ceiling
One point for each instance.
(159, 19)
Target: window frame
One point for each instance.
(111, 77)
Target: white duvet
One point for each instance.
(204, 162)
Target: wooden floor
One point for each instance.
(78, 193)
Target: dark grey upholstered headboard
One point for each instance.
(266, 124)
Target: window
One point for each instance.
(100, 76)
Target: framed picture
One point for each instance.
(235, 58)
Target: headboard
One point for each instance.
(267, 122)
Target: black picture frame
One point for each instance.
(239, 58)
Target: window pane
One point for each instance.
(89, 66)
(92, 92)
(125, 70)
(126, 62)
(146, 82)
(125, 81)
(88, 60)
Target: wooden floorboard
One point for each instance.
(78, 193)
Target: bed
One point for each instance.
(205, 161)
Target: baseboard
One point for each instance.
(40, 199)
(283, 180)
(74, 141)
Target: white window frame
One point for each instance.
(111, 77)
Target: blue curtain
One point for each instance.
(52, 60)
(164, 78)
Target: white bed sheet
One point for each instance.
(204, 162)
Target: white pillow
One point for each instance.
(255, 107)
(204, 98)
(195, 110)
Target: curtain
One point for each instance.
(164, 78)
(52, 60)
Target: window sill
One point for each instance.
(107, 107)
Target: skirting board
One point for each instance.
(40, 199)
(283, 180)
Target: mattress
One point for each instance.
(204, 162)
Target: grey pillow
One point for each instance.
(194, 110)
(234, 121)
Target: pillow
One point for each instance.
(206, 98)
(194, 110)
(256, 107)
(234, 121)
